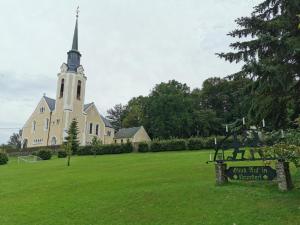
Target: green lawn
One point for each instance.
(139, 189)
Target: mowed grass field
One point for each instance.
(170, 188)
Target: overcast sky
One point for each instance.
(127, 47)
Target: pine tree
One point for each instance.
(72, 143)
(271, 53)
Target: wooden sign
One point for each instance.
(258, 173)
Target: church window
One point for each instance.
(62, 88)
(108, 133)
(78, 89)
(97, 129)
(46, 124)
(91, 128)
(53, 141)
(33, 125)
(122, 141)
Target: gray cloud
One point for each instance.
(128, 46)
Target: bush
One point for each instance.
(105, 149)
(195, 144)
(168, 145)
(156, 146)
(143, 147)
(3, 158)
(126, 148)
(44, 154)
(85, 150)
(61, 154)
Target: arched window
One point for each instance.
(97, 129)
(53, 141)
(33, 125)
(46, 124)
(78, 89)
(91, 128)
(61, 94)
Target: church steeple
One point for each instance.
(74, 54)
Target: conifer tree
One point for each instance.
(270, 49)
(72, 143)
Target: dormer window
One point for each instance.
(61, 93)
(78, 90)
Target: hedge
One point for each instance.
(168, 145)
(143, 147)
(61, 154)
(3, 158)
(105, 149)
(44, 154)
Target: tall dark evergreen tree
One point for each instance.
(271, 54)
(72, 142)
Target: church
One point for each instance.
(51, 119)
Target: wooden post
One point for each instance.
(284, 176)
(221, 177)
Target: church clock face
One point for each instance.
(80, 69)
(64, 68)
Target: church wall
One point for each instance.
(94, 118)
(37, 137)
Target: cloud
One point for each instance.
(127, 47)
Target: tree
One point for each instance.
(168, 110)
(96, 143)
(271, 54)
(15, 140)
(134, 113)
(115, 116)
(72, 143)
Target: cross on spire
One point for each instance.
(77, 11)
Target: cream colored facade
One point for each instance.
(51, 119)
(132, 135)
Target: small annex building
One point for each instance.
(132, 135)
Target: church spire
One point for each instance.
(75, 36)
(74, 54)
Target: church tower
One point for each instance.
(70, 92)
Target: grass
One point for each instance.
(174, 188)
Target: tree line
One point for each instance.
(267, 87)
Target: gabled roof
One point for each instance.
(86, 106)
(50, 102)
(127, 132)
(106, 122)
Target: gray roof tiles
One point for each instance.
(106, 122)
(127, 132)
(50, 102)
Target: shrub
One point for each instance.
(143, 147)
(126, 148)
(168, 145)
(156, 146)
(283, 152)
(195, 144)
(61, 154)
(3, 158)
(84, 150)
(44, 154)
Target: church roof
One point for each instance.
(50, 102)
(127, 132)
(106, 121)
